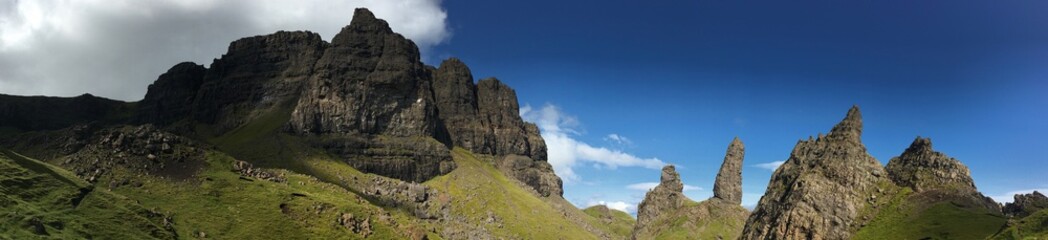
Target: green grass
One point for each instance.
(223, 205)
(34, 192)
(904, 218)
(1033, 227)
(476, 188)
(619, 222)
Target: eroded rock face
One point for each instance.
(171, 96)
(922, 169)
(1026, 204)
(819, 191)
(256, 75)
(370, 81)
(485, 119)
(728, 186)
(664, 199)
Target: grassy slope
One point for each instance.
(1034, 226)
(32, 189)
(222, 205)
(904, 218)
(476, 188)
(621, 223)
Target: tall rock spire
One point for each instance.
(728, 186)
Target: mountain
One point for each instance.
(831, 188)
(665, 213)
(291, 137)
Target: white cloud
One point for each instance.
(1010, 196)
(618, 139)
(566, 153)
(617, 205)
(645, 186)
(115, 48)
(770, 165)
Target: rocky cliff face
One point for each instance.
(171, 96)
(819, 191)
(256, 75)
(922, 169)
(1026, 204)
(728, 186)
(664, 199)
(485, 118)
(370, 81)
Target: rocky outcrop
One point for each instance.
(819, 192)
(536, 174)
(728, 186)
(667, 213)
(1026, 204)
(923, 169)
(137, 148)
(663, 200)
(485, 119)
(171, 96)
(256, 75)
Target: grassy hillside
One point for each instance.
(1034, 226)
(222, 204)
(619, 222)
(481, 195)
(38, 200)
(907, 216)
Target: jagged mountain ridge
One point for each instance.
(831, 188)
(356, 100)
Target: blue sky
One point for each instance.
(679, 79)
(623, 87)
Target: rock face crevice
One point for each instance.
(819, 191)
(728, 186)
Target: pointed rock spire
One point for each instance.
(850, 128)
(728, 186)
